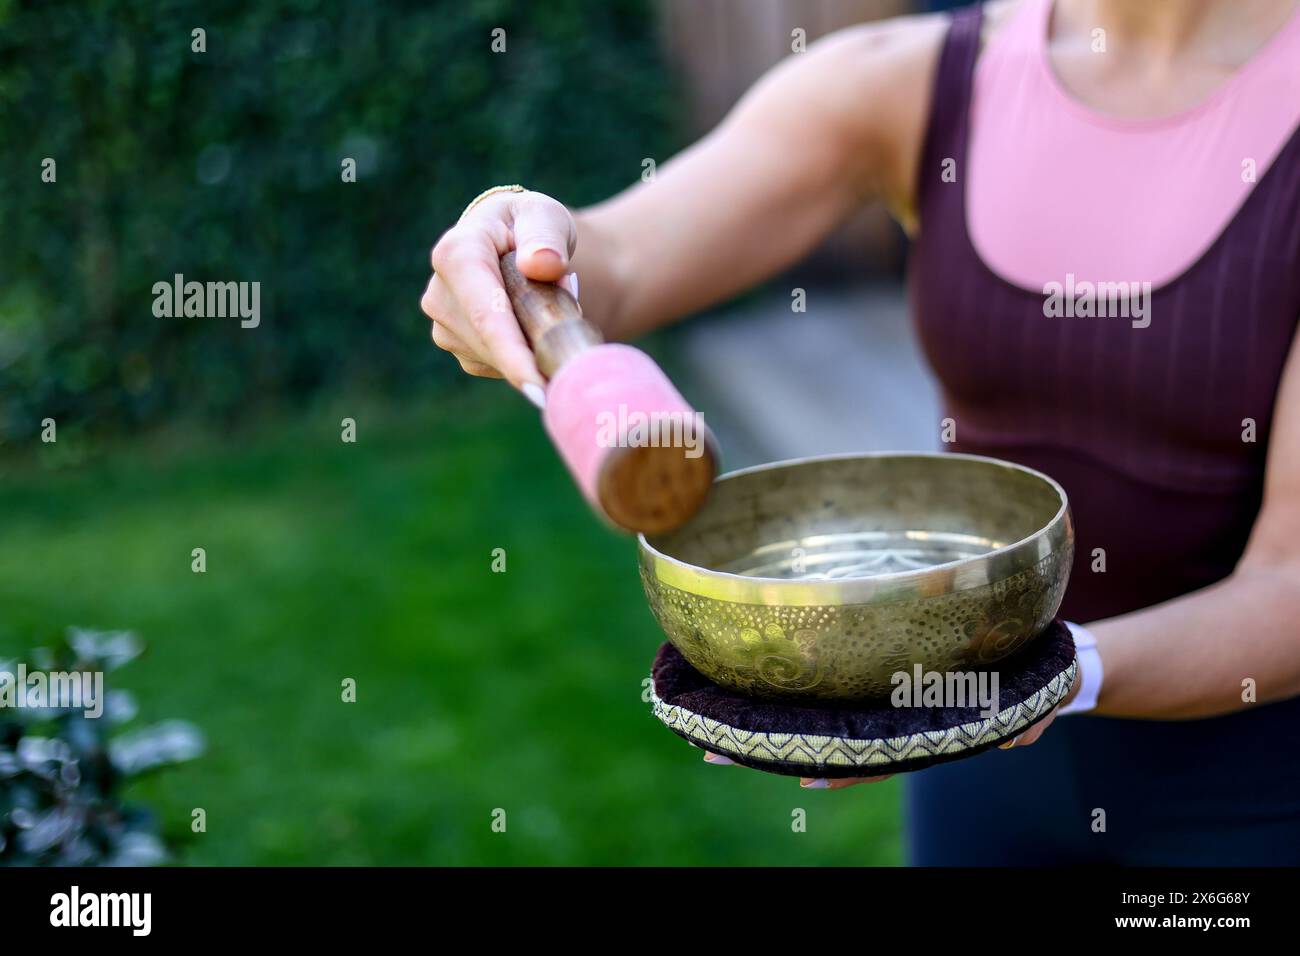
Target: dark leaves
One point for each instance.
(62, 773)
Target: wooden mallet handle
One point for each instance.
(549, 316)
(638, 486)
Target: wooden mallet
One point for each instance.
(639, 453)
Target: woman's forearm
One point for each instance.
(817, 136)
(597, 263)
(1227, 647)
(1201, 654)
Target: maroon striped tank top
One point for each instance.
(1143, 427)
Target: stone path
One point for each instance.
(845, 375)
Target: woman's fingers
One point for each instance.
(468, 350)
(544, 237)
(1036, 731)
(821, 783)
(489, 318)
(808, 783)
(1030, 735)
(449, 333)
(449, 341)
(466, 298)
(478, 368)
(854, 781)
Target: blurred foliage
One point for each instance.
(62, 772)
(226, 166)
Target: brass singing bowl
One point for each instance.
(821, 578)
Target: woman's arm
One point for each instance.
(1188, 657)
(821, 133)
(818, 135)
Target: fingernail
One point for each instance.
(571, 280)
(718, 760)
(533, 248)
(818, 784)
(533, 392)
(1009, 744)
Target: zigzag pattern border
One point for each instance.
(817, 750)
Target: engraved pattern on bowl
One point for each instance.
(798, 596)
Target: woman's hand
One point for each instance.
(733, 210)
(465, 298)
(808, 783)
(820, 783)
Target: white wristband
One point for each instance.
(1090, 669)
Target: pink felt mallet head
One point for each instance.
(639, 453)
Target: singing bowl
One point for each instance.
(821, 578)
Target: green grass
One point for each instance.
(476, 690)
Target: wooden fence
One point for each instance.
(719, 47)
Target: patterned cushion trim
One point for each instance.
(816, 750)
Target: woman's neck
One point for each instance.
(1227, 31)
(1151, 58)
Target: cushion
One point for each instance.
(860, 738)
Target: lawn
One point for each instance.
(476, 691)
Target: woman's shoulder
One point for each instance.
(868, 89)
(883, 73)
(905, 43)
(997, 15)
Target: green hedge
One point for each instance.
(226, 166)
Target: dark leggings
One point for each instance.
(1222, 792)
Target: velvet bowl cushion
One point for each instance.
(865, 738)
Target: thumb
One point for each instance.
(544, 238)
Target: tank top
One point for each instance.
(1156, 422)
(1140, 421)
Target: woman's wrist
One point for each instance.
(492, 191)
(1091, 671)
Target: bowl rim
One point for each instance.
(962, 573)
